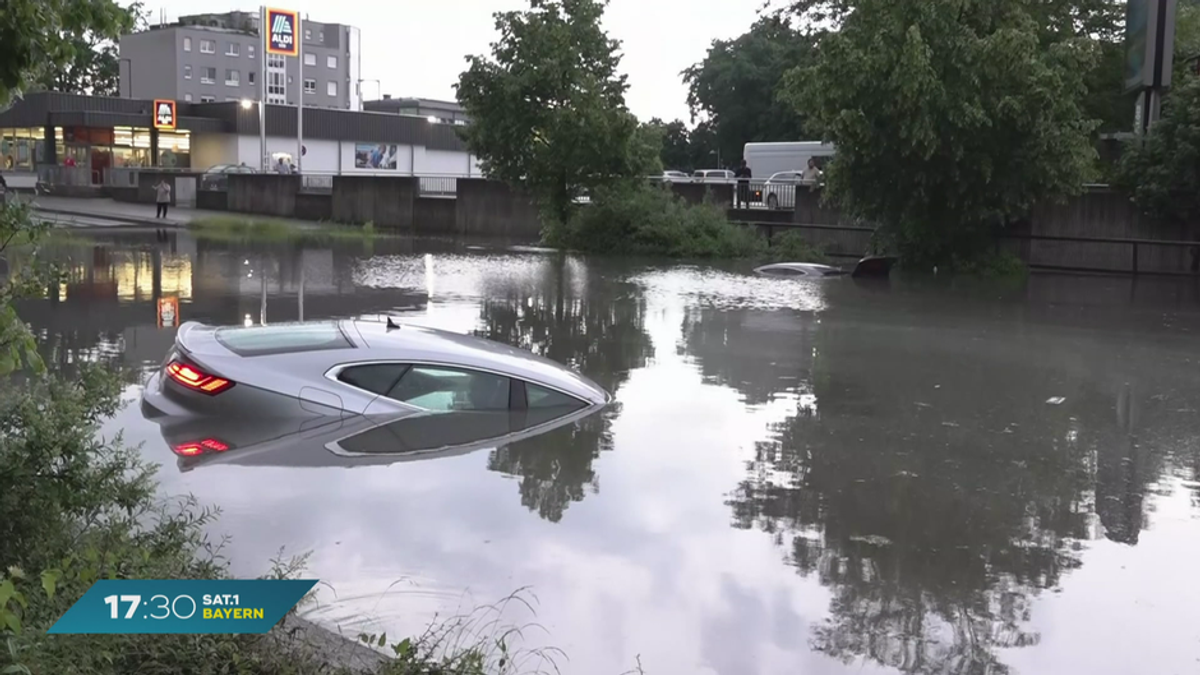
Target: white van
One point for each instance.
(766, 159)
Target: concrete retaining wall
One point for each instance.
(212, 200)
(263, 194)
(491, 208)
(434, 216)
(311, 206)
(387, 201)
(695, 193)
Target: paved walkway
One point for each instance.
(83, 212)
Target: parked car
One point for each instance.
(779, 191)
(340, 370)
(675, 177)
(217, 176)
(712, 176)
(796, 269)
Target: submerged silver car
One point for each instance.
(270, 382)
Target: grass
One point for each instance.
(232, 229)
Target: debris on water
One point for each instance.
(953, 425)
(937, 386)
(872, 539)
(906, 474)
(1056, 400)
(923, 405)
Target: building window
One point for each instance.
(208, 76)
(232, 49)
(233, 78)
(310, 59)
(187, 44)
(275, 61)
(275, 88)
(207, 47)
(307, 34)
(331, 62)
(187, 72)
(321, 36)
(251, 76)
(231, 98)
(187, 97)
(250, 51)
(310, 86)
(208, 99)
(331, 88)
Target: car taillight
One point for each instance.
(200, 447)
(197, 380)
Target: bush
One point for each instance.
(642, 219)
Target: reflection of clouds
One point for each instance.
(725, 290)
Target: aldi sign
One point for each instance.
(283, 32)
(164, 114)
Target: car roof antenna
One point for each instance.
(392, 325)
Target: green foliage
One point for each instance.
(42, 37)
(640, 219)
(94, 64)
(794, 246)
(18, 349)
(950, 120)
(234, 229)
(736, 87)
(1162, 172)
(548, 107)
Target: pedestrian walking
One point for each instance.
(743, 175)
(162, 193)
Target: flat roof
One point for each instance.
(47, 108)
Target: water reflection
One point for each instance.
(918, 480)
(936, 516)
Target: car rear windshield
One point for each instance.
(282, 338)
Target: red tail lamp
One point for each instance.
(196, 448)
(197, 380)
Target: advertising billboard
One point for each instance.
(164, 114)
(375, 156)
(283, 32)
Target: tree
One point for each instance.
(736, 86)
(548, 108)
(949, 118)
(1161, 171)
(41, 36)
(675, 151)
(94, 66)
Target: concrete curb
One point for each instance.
(327, 646)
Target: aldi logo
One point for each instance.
(164, 114)
(283, 29)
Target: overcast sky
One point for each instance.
(416, 48)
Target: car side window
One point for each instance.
(377, 378)
(540, 397)
(441, 389)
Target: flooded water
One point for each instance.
(795, 477)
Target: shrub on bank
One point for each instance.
(642, 219)
(793, 246)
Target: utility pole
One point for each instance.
(300, 98)
(262, 89)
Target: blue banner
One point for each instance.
(183, 606)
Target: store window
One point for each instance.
(21, 149)
(174, 149)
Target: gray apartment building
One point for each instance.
(217, 57)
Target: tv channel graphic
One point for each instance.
(182, 606)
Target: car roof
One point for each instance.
(388, 341)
